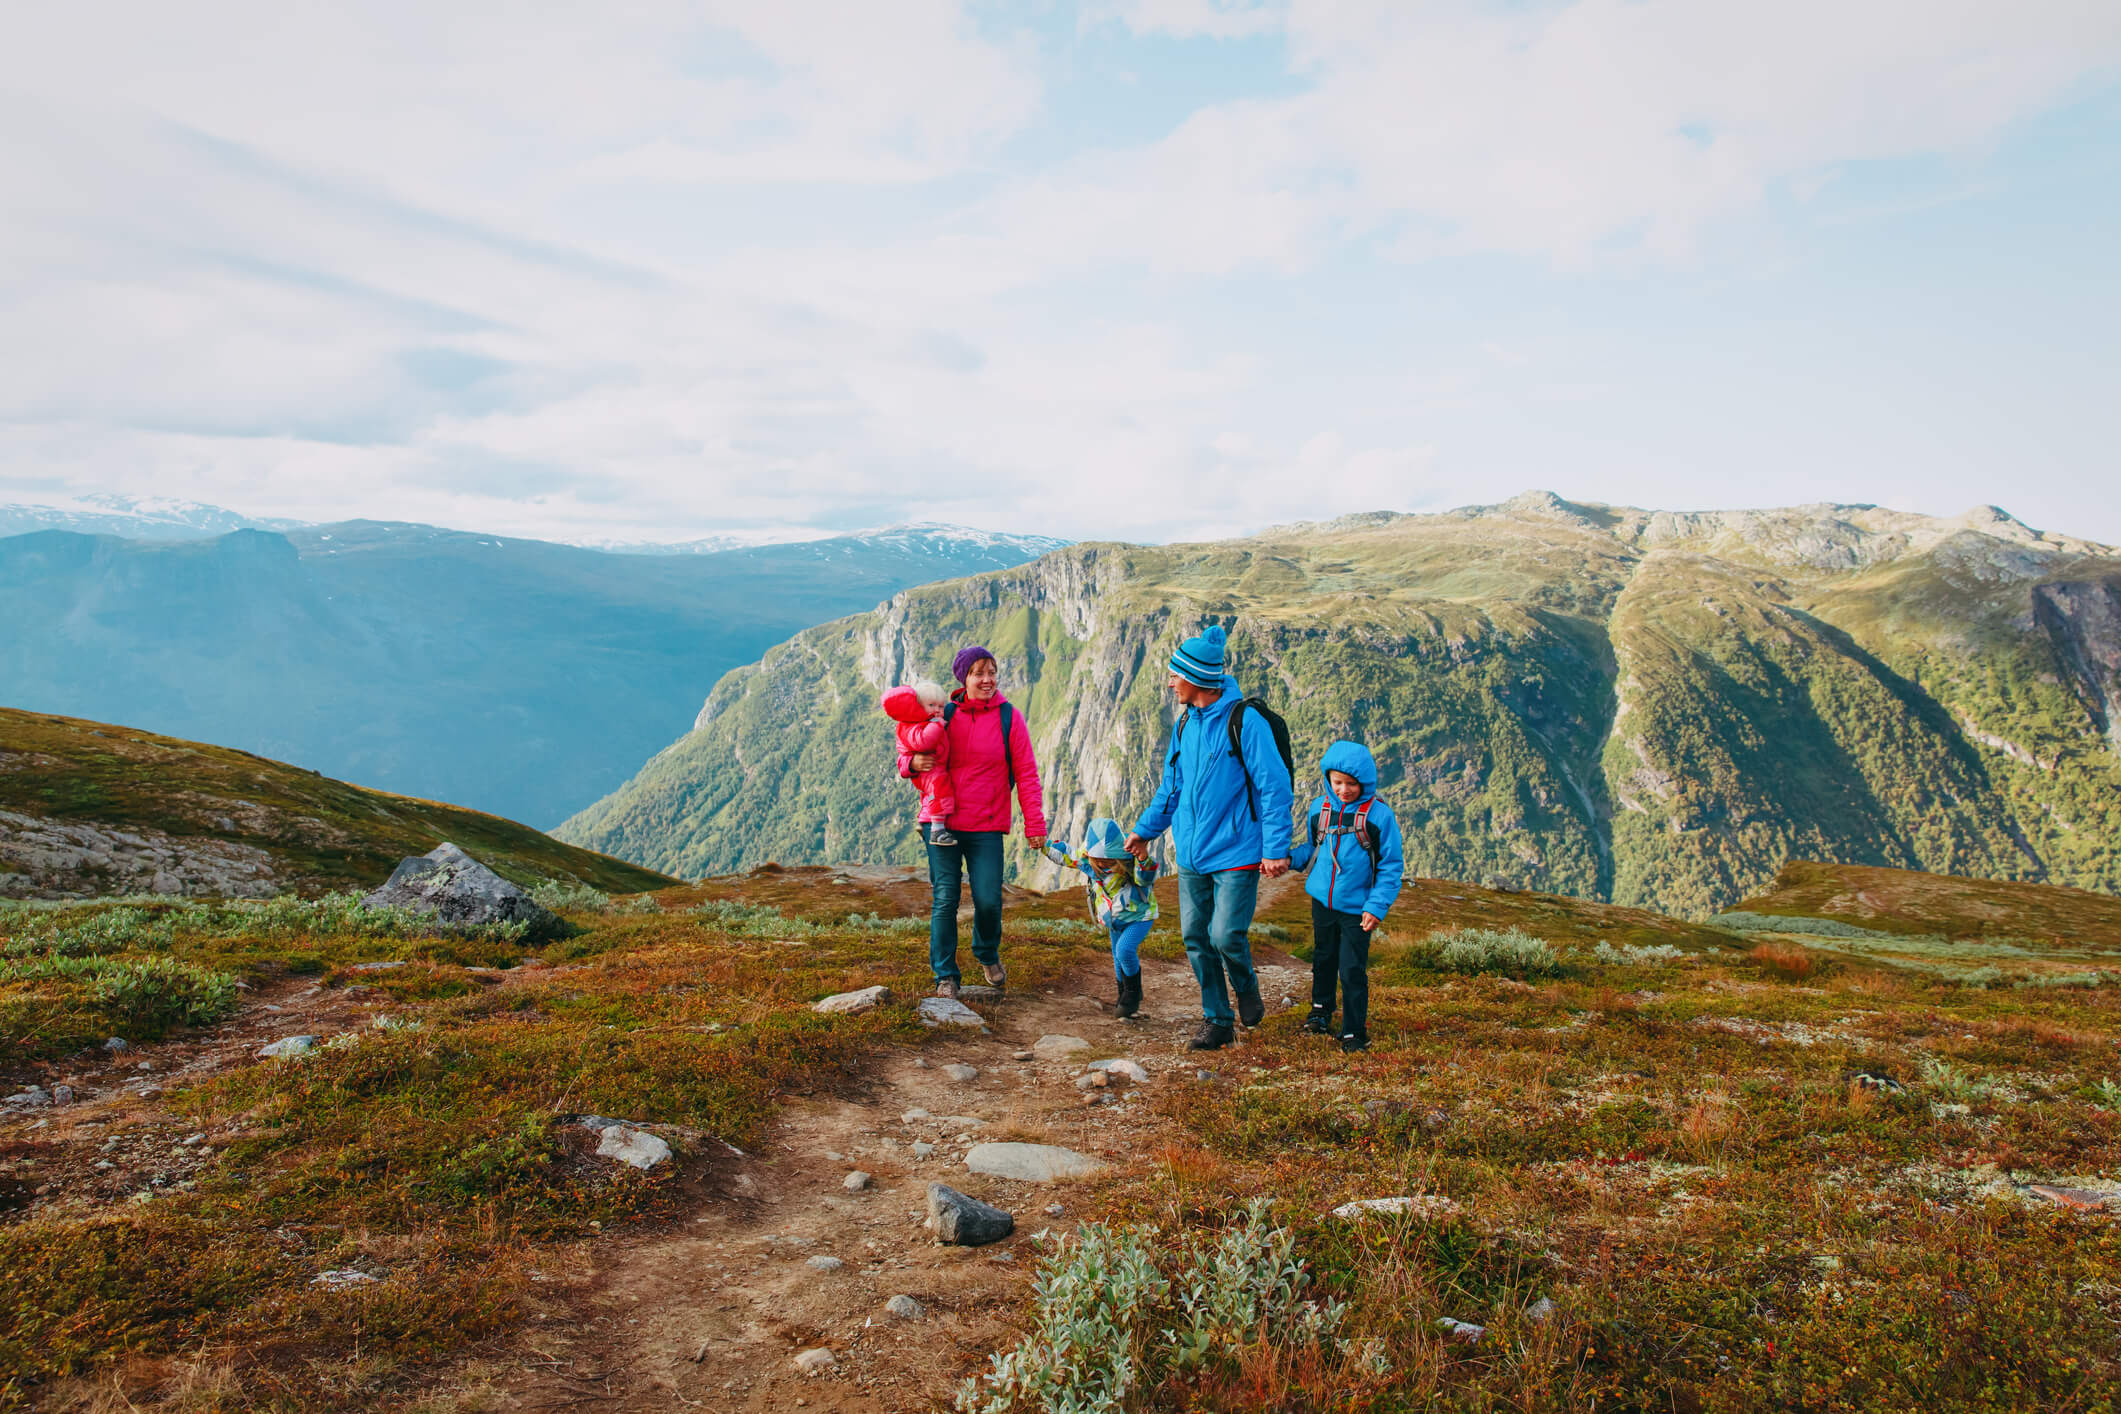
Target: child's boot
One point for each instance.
(1320, 1021)
(1130, 995)
(1355, 1042)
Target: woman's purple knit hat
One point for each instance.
(968, 655)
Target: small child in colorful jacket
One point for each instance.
(1352, 847)
(1121, 891)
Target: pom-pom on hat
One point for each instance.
(961, 665)
(1200, 660)
(1105, 839)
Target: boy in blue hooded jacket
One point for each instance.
(1351, 846)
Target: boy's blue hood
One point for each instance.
(1350, 758)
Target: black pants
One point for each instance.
(1341, 949)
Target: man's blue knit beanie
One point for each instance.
(1200, 660)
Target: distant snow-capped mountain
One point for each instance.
(920, 538)
(135, 518)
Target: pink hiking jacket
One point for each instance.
(979, 777)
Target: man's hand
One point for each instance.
(1273, 868)
(1137, 846)
(1370, 921)
(921, 761)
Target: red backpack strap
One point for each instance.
(1366, 833)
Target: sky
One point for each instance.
(1133, 269)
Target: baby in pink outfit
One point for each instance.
(919, 712)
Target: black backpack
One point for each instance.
(1008, 721)
(1275, 724)
(1362, 829)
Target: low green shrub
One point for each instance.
(1740, 921)
(1114, 1317)
(1637, 955)
(1508, 952)
(148, 995)
(569, 896)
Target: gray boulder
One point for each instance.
(965, 1221)
(1030, 1163)
(451, 887)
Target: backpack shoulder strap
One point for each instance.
(1367, 833)
(1008, 756)
(1321, 819)
(1177, 733)
(949, 711)
(1237, 732)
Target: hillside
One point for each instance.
(516, 676)
(88, 809)
(1651, 708)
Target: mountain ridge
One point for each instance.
(1655, 708)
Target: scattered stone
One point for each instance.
(1051, 1048)
(905, 1308)
(1203, 1075)
(292, 1046)
(451, 887)
(854, 1003)
(979, 992)
(857, 1181)
(948, 1011)
(1030, 1163)
(914, 1116)
(116, 1044)
(1377, 1111)
(341, 1278)
(1540, 1311)
(920, 1063)
(616, 1139)
(1054, 1210)
(1022, 1055)
(62, 1094)
(2083, 1200)
(960, 1122)
(815, 1362)
(822, 1263)
(1427, 1205)
(1132, 1069)
(145, 1065)
(1885, 1083)
(922, 1148)
(967, 1222)
(375, 966)
(1460, 1330)
(36, 1097)
(962, 1074)
(1435, 1119)
(1092, 1080)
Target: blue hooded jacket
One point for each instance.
(1203, 799)
(1344, 880)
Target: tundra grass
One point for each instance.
(420, 1146)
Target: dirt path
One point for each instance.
(712, 1317)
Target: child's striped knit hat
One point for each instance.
(1200, 660)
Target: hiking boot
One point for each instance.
(946, 987)
(1130, 995)
(941, 835)
(997, 975)
(1212, 1036)
(1251, 1008)
(1355, 1043)
(1319, 1022)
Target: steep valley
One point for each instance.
(1651, 708)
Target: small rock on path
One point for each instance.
(1030, 1163)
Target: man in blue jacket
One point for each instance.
(1228, 813)
(1352, 847)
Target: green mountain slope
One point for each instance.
(1651, 708)
(87, 808)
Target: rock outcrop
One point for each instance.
(451, 887)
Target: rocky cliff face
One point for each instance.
(1647, 707)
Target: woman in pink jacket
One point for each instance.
(990, 753)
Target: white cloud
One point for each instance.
(504, 267)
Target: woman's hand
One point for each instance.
(921, 761)
(1037, 842)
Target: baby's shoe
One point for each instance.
(941, 835)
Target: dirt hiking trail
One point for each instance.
(711, 1314)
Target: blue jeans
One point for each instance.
(1127, 945)
(978, 854)
(1215, 918)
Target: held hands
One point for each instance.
(1273, 868)
(921, 761)
(1137, 846)
(1370, 921)
(1037, 842)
